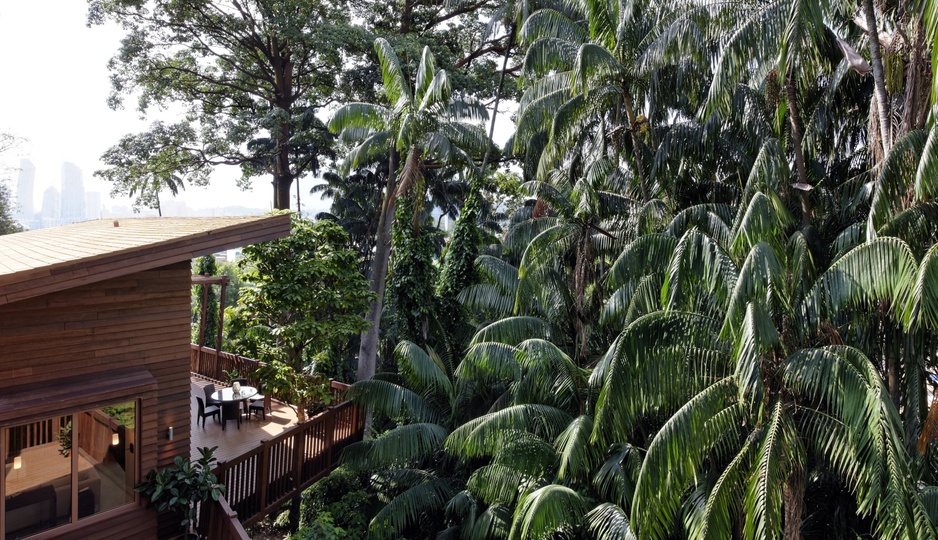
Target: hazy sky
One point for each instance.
(53, 93)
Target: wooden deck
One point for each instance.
(234, 442)
(266, 463)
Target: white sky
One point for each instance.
(54, 92)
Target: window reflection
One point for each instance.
(88, 456)
(38, 476)
(105, 441)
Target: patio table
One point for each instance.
(228, 396)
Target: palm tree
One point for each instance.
(408, 463)
(422, 127)
(755, 379)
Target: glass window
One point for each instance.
(38, 483)
(87, 456)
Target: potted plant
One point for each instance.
(180, 487)
(232, 375)
(304, 392)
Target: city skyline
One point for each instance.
(40, 205)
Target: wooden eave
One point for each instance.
(35, 263)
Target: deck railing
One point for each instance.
(219, 522)
(212, 364)
(261, 480)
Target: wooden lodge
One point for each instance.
(95, 367)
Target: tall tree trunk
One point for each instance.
(580, 281)
(879, 82)
(282, 191)
(793, 501)
(283, 177)
(797, 138)
(916, 104)
(368, 351)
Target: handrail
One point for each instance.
(219, 522)
(259, 481)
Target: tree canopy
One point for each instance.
(250, 75)
(301, 296)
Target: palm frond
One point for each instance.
(490, 361)
(705, 217)
(699, 265)
(548, 510)
(869, 451)
(497, 484)
(688, 358)
(395, 83)
(892, 185)
(405, 445)
(779, 456)
(437, 93)
(594, 62)
(725, 500)
(393, 400)
(881, 270)
(756, 340)
(609, 522)
(615, 479)
(410, 507)
(424, 373)
(485, 435)
(923, 304)
(577, 454)
(926, 174)
(676, 454)
(549, 23)
(761, 279)
(648, 254)
(426, 72)
(514, 330)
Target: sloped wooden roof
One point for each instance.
(38, 262)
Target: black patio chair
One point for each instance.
(260, 397)
(230, 410)
(257, 405)
(205, 412)
(209, 390)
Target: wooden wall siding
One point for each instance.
(141, 319)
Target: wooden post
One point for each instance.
(262, 476)
(221, 311)
(204, 311)
(330, 435)
(299, 449)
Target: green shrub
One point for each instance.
(341, 500)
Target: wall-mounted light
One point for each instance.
(115, 439)
(169, 433)
(17, 463)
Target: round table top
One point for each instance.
(227, 394)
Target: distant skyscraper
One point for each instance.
(24, 190)
(73, 194)
(92, 205)
(51, 207)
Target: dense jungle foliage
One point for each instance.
(713, 312)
